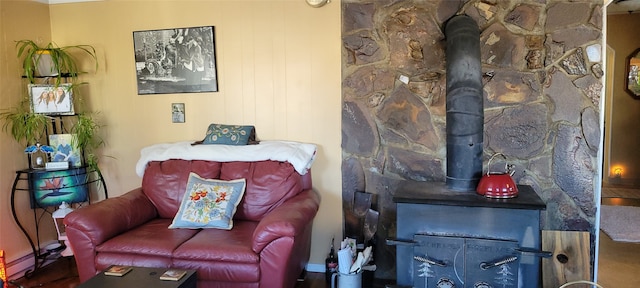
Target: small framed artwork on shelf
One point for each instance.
(51, 99)
(51, 188)
(177, 112)
(63, 150)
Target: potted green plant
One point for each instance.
(52, 59)
(28, 127)
(87, 138)
(25, 127)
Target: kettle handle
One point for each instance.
(507, 166)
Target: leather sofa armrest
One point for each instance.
(92, 225)
(110, 217)
(288, 220)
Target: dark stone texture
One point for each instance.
(353, 179)
(431, 87)
(573, 167)
(555, 50)
(567, 99)
(406, 115)
(596, 17)
(541, 167)
(414, 166)
(508, 87)
(574, 64)
(534, 41)
(415, 41)
(358, 133)
(564, 14)
(482, 12)
(535, 59)
(367, 80)
(502, 48)
(524, 16)
(561, 213)
(357, 16)
(519, 131)
(362, 49)
(590, 131)
(447, 9)
(574, 37)
(596, 69)
(591, 87)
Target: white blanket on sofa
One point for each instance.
(300, 155)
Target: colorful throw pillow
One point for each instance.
(229, 134)
(209, 203)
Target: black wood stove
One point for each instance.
(461, 239)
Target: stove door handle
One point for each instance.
(534, 252)
(430, 261)
(393, 242)
(485, 265)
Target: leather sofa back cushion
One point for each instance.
(269, 183)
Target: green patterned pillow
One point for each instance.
(209, 203)
(229, 134)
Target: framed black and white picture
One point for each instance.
(178, 60)
(51, 99)
(177, 112)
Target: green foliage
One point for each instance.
(85, 129)
(24, 126)
(27, 127)
(30, 53)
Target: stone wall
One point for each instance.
(542, 84)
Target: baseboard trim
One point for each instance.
(315, 267)
(17, 268)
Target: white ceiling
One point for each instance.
(623, 6)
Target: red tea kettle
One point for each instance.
(497, 185)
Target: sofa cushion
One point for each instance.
(221, 255)
(137, 240)
(209, 203)
(269, 184)
(164, 182)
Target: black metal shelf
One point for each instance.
(24, 182)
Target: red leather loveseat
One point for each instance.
(268, 246)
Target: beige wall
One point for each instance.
(278, 68)
(33, 22)
(625, 137)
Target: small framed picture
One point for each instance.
(177, 112)
(64, 151)
(51, 99)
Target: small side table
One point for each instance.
(141, 277)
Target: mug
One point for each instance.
(353, 280)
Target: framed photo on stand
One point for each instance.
(64, 151)
(51, 99)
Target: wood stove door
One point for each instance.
(438, 261)
(447, 261)
(491, 263)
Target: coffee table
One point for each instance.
(141, 277)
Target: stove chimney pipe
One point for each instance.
(465, 111)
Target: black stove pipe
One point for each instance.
(465, 112)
